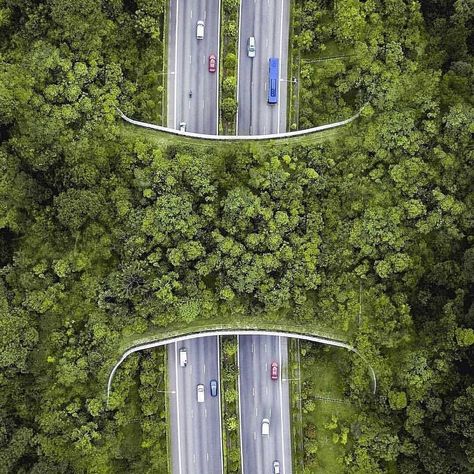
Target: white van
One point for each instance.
(200, 393)
(182, 126)
(200, 30)
(251, 47)
(183, 357)
(265, 427)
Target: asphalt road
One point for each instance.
(188, 66)
(196, 441)
(261, 397)
(268, 22)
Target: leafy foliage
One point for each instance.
(105, 234)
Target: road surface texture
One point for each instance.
(188, 66)
(196, 441)
(261, 397)
(268, 22)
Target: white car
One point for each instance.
(182, 126)
(276, 467)
(200, 30)
(200, 393)
(251, 47)
(265, 427)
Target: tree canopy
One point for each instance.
(107, 232)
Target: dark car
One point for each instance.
(274, 371)
(213, 387)
(212, 63)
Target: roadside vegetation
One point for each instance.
(230, 404)
(228, 61)
(329, 421)
(107, 234)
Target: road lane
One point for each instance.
(268, 22)
(261, 397)
(196, 427)
(188, 66)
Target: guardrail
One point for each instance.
(238, 332)
(205, 136)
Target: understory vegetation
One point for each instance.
(105, 234)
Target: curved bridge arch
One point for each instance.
(272, 136)
(238, 332)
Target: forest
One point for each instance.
(107, 232)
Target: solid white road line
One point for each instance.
(220, 406)
(240, 407)
(177, 405)
(281, 409)
(175, 120)
(281, 63)
(218, 62)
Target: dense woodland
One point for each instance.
(106, 232)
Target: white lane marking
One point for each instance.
(176, 69)
(190, 59)
(204, 368)
(253, 391)
(205, 14)
(207, 457)
(194, 458)
(266, 42)
(253, 347)
(270, 413)
(218, 61)
(191, 13)
(219, 400)
(265, 347)
(177, 404)
(279, 72)
(281, 408)
(238, 92)
(238, 383)
(203, 104)
(266, 390)
(255, 435)
(256, 411)
(266, 366)
(189, 104)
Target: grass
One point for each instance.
(326, 411)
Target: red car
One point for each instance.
(212, 63)
(274, 372)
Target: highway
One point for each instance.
(188, 66)
(268, 22)
(196, 437)
(261, 397)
